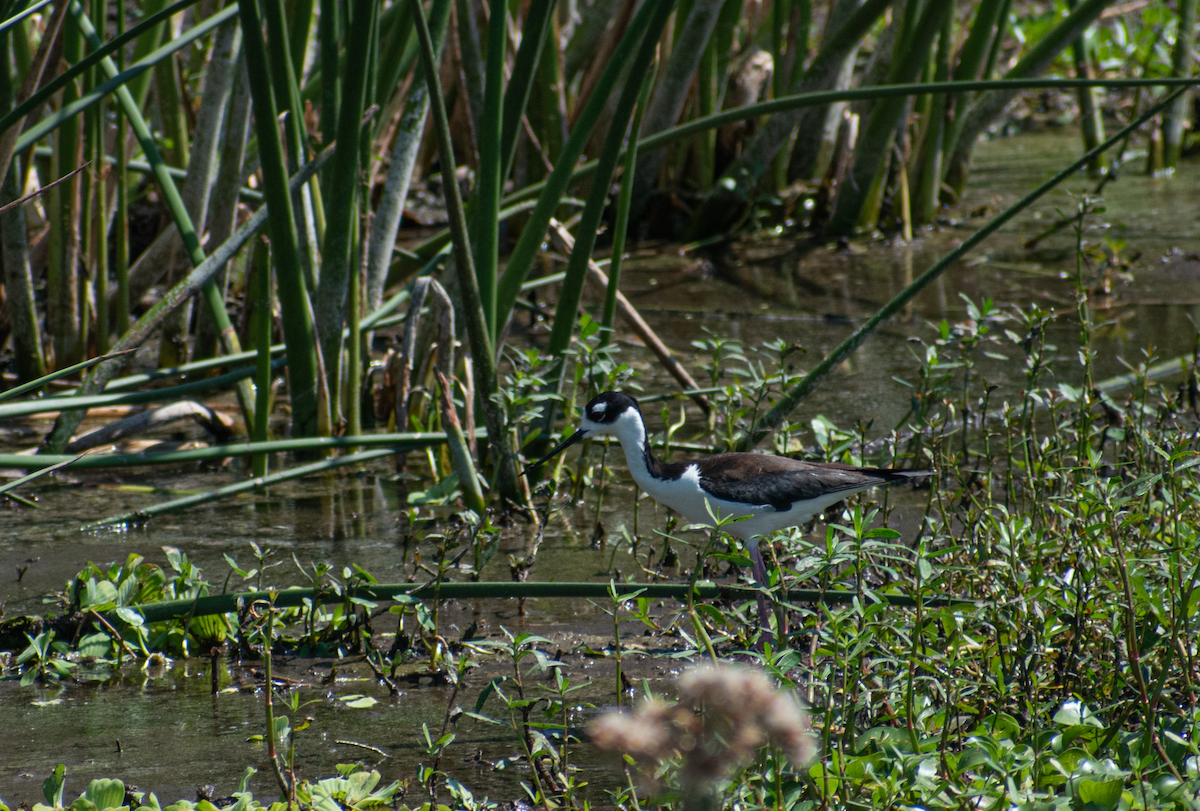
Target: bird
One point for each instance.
(766, 492)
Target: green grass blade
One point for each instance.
(16, 18)
(398, 443)
(82, 402)
(184, 503)
(13, 485)
(34, 385)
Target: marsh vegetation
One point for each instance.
(293, 290)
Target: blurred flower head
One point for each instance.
(724, 715)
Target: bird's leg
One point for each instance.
(760, 577)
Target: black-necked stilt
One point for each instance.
(767, 492)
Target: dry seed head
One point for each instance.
(725, 714)
(646, 733)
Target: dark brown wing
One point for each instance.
(759, 478)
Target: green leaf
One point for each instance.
(1076, 713)
(95, 646)
(358, 702)
(106, 793)
(52, 788)
(1101, 794)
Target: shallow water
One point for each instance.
(174, 736)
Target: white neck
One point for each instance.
(630, 431)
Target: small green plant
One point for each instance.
(42, 661)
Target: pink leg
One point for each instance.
(760, 576)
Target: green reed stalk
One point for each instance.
(589, 223)
(1034, 61)
(291, 110)
(1177, 117)
(121, 215)
(28, 356)
(81, 402)
(41, 382)
(1091, 124)
(624, 203)
(534, 35)
(929, 164)
(176, 145)
(261, 430)
(970, 61)
(398, 443)
(329, 35)
(147, 42)
(213, 297)
(504, 590)
(460, 450)
(64, 233)
(477, 332)
(341, 233)
(397, 52)
(409, 131)
(781, 409)
(549, 104)
(34, 70)
(18, 17)
(298, 330)
(555, 186)
(100, 206)
(302, 15)
(354, 345)
(707, 94)
(47, 91)
(860, 193)
(471, 57)
(485, 224)
(8, 487)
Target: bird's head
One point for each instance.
(610, 413)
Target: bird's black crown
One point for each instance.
(607, 407)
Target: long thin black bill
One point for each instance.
(566, 443)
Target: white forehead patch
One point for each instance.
(599, 408)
